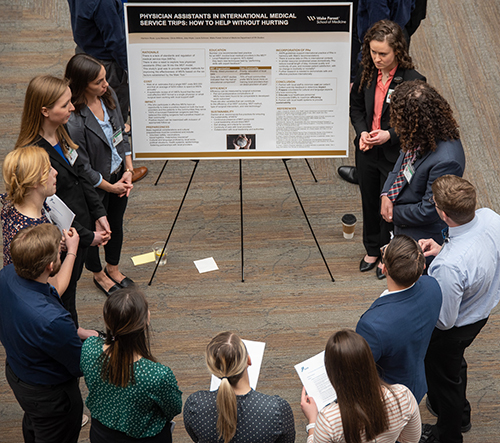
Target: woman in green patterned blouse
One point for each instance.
(132, 397)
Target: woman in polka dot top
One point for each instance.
(132, 397)
(235, 412)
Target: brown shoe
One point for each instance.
(139, 173)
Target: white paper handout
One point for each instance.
(206, 265)
(313, 376)
(59, 213)
(256, 352)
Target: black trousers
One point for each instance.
(51, 413)
(69, 296)
(373, 169)
(115, 208)
(102, 434)
(446, 373)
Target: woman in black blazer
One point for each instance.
(97, 128)
(47, 108)
(385, 64)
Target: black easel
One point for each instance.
(166, 161)
(305, 215)
(241, 215)
(176, 216)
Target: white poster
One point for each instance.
(239, 80)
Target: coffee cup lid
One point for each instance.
(349, 219)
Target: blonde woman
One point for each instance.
(29, 180)
(235, 412)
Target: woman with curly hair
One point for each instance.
(385, 64)
(431, 147)
(367, 409)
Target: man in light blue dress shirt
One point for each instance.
(467, 267)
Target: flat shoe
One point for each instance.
(365, 266)
(125, 283)
(113, 288)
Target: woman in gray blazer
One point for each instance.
(97, 127)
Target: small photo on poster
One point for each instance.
(241, 141)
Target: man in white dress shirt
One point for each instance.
(467, 267)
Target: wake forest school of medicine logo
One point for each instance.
(326, 20)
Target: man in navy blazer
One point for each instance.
(399, 324)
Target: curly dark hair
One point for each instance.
(421, 116)
(388, 31)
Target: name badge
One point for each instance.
(408, 172)
(389, 93)
(71, 155)
(117, 137)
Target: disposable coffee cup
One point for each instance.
(348, 225)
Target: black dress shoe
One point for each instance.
(365, 266)
(113, 288)
(125, 283)
(349, 174)
(427, 434)
(380, 274)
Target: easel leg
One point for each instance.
(307, 219)
(176, 216)
(310, 169)
(161, 172)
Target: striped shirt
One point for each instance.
(404, 420)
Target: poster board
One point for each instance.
(239, 80)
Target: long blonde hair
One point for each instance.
(227, 358)
(23, 169)
(43, 91)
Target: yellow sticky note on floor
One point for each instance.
(144, 258)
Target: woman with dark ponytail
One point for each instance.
(235, 412)
(132, 397)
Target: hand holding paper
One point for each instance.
(313, 376)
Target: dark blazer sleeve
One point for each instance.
(412, 206)
(423, 212)
(94, 148)
(75, 190)
(76, 130)
(369, 333)
(357, 108)
(94, 203)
